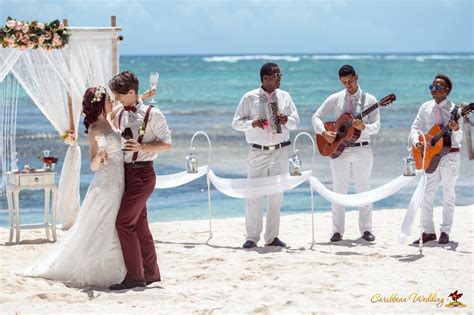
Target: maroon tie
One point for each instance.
(350, 105)
(130, 109)
(438, 116)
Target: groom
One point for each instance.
(150, 136)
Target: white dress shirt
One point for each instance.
(425, 120)
(248, 110)
(337, 104)
(156, 129)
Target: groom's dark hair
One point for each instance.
(123, 82)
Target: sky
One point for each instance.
(220, 27)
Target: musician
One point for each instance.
(268, 154)
(356, 159)
(438, 111)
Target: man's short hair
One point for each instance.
(445, 78)
(267, 69)
(123, 82)
(346, 70)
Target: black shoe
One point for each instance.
(426, 238)
(369, 237)
(249, 244)
(276, 242)
(127, 284)
(336, 237)
(443, 238)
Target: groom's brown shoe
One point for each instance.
(127, 284)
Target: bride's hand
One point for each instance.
(148, 93)
(103, 155)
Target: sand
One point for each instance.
(351, 276)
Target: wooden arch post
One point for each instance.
(69, 98)
(115, 38)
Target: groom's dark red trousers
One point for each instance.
(132, 225)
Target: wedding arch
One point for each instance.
(55, 80)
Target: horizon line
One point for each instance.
(298, 54)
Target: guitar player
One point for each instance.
(357, 158)
(438, 111)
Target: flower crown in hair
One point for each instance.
(99, 92)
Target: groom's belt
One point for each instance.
(271, 147)
(138, 164)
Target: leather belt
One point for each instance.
(139, 164)
(271, 147)
(358, 144)
(454, 150)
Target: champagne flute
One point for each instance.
(101, 142)
(154, 76)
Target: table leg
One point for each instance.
(46, 210)
(53, 212)
(17, 214)
(10, 210)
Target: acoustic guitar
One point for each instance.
(345, 133)
(438, 142)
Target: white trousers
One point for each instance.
(355, 162)
(445, 175)
(263, 163)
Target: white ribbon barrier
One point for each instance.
(364, 198)
(179, 179)
(264, 186)
(415, 204)
(257, 187)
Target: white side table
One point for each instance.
(18, 181)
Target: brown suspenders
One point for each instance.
(140, 137)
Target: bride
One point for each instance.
(89, 255)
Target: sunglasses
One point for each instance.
(278, 75)
(436, 87)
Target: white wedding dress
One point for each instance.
(89, 254)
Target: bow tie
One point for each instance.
(130, 109)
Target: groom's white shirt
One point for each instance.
(156, 129)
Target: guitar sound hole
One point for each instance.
(342, 130)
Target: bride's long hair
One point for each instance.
(92, 106)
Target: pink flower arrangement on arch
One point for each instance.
(24, 35)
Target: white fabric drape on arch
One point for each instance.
(8, 57)
(90, 64)
(47, 77)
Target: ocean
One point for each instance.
(201, 93)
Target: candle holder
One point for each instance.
(409, 166)
(192, 162)
(295, 164)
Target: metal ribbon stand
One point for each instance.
(310, 187)
(207, 179)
